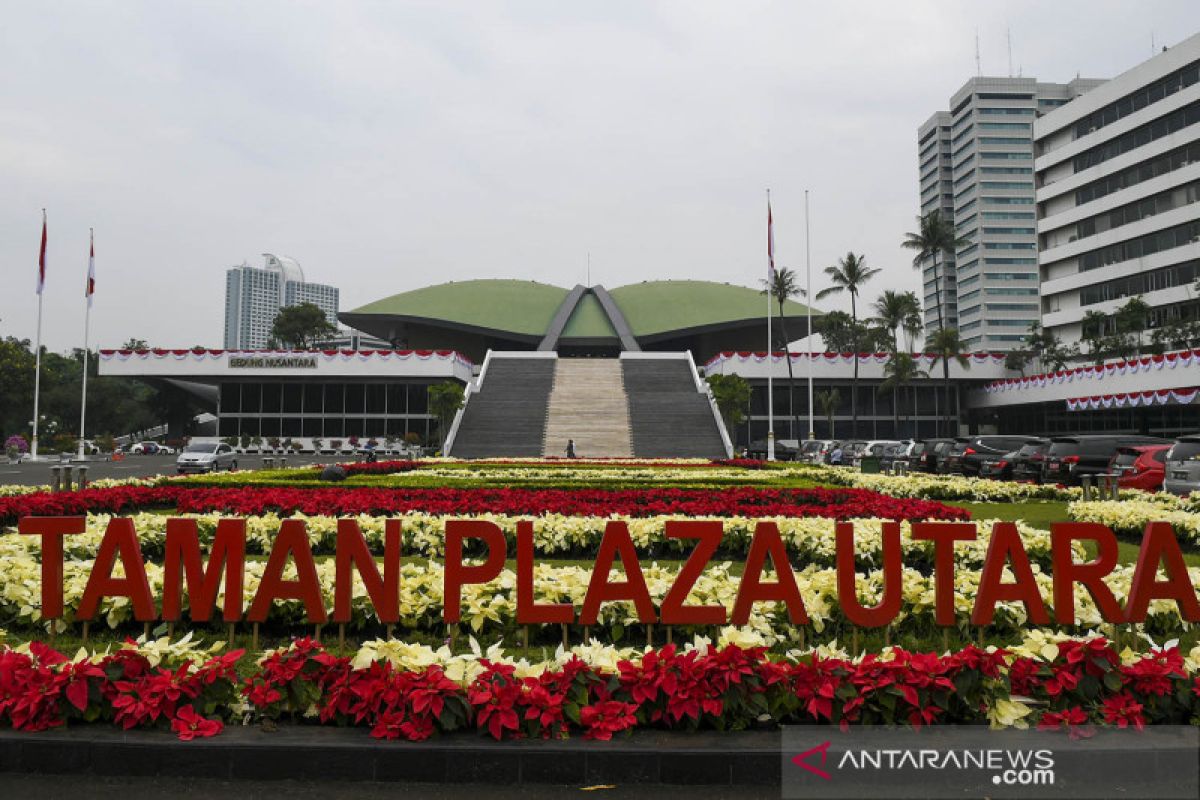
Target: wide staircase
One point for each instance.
(588, 405)
(669, 417)
(506, 417)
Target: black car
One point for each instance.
(931, 453)
(1071, 457)
(952, 459)
(969, 452)
(1027, 463)
(998, 468)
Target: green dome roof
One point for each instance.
(655, 307)
(523, 307)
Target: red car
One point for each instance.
(1141, 467)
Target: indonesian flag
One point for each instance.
(42, 257)
(91, 278)
(770, 245)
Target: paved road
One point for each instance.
(137, 466)
(69, 787)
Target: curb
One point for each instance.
(748, 758)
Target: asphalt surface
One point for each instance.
(51, 787)
(139, 466)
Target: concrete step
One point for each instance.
(588, 404)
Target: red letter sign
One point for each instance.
(291, 541)
(120, 538)
(228, 553)
(1160, 545)
(52, 529)
(1006, 547)
(1091, 574)
(528, 610)
(847, 578)
(943, 535)
(352, 553)
(767, 543)
(708, 539)
(616, 541)
(457, 574)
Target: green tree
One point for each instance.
(784, 287)
(850, 275)
(935, 238)
(828, 401)
(895, 311)
(946, 346)
(301, 326)
(445, 399)
(902, 370)
(732, 396)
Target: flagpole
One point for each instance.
(37, 363)
(87, 324)
(770, 350)
(808, 293)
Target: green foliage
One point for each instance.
(301, 326)
(445, 399)
(934, 239)
(732, 395)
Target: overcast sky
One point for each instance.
(391, 145)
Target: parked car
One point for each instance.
(815, 450)
(758, 449)
(851, 450)
(932, 451)
(968, 458)
(165, 450)
(1071, 457)
(144, 448)
(206, 457)
(894, 453)
(950, 462)
(873, 448)
(1182, 468)
(1027, 464)
(1140, 467)
(998, 467)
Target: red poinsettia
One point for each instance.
(1074, 720)
(190, 725)
(1122, 710)
(601, 720)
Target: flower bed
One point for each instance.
(490, 608)
(401, 691)
(811, 540)
(741, 501)
(1130, 517)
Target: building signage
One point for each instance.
(273, 362)
(184, 566)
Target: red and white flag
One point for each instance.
(91, 279)
(42, 257)
(770, 245)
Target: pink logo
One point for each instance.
(801, 760)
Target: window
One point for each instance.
(993, 112)
(1138, 137)
(1004, 292)
(1010, 276)
(968, 281)
(1009, 201)
(1008, 215)
(1006, 170)
(991, 156)
(1011, 306)
(1006, 184)
(1030, 261)
(1010, 231)
(1131, 285)
(1138, 99)
(1015, 140)
(1004, 126)
(1141, 247)
(1131, 176)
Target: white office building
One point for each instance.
(254, 296)
(1118, 175)
(976, 166)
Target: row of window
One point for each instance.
(1010, 231)
(1183, 274)
(1141, 209)
(1139, 173)
(1010, 261)
(1009, 246)
(1139, 137)
(1142, 246)
(324, 398)
(327, 428)
(1020, 112)
(1135, 101)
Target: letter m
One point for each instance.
(182, 561)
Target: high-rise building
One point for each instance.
(981, 161)
(254, 296)
(1118, 175)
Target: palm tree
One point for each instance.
(901, 370)
(784, 287)
(850, 275)
(935, 237)
(894, 311)
(946, 344)
(913, 323)
(829, 400)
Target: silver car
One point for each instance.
(206, 457)
(1181, 474)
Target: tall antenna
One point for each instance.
(1008, 35)
(978, 68)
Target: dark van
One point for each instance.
(968, 458)
(1071, 457)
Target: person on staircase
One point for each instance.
(571, 448)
